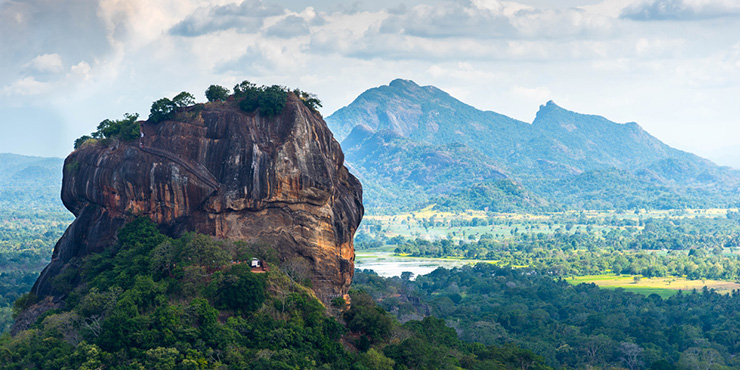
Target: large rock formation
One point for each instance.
(219, 171)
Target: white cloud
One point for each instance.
(26, 86)
(288, 27)
(94, 59)
(46, 63)
(246, 17)
(450, 19)
(651, 10)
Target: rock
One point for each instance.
(222, 172)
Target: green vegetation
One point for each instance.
(155, 302)
(32, 218)
(578, 326)
(270, 100)
(310, 100)
(499, 196)
(217, 93)
(164, 109)
(695, 246)
(126, 129)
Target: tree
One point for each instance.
(631, 355)
(244, 88)
(238, 289)
(308, 99)
(161, 110)
(217, 93)
(81, 140)
(272, 100)
(125, 129)
(206, 252)
(164, 109)
(183, 99)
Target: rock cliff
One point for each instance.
(219, 171)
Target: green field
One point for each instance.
(664, 287)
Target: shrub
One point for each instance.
(183, 99)
(162, 110)
(126, 129)
(272, 100)
(310, 100)
(238, 289)
(217, 93)
(23, 302)
(81, 140)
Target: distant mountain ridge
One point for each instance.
(559, 145)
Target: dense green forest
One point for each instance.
(570, 326)
(155, 302)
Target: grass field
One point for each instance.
(664, 287)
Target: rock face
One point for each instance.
(219, 171)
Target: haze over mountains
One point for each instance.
(413, 145)
(30, 182)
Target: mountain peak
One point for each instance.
(548, 107)
(401, 83)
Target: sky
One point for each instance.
(673, 66)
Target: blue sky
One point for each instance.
(673, 66)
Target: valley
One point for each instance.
(645, 251)
(569, 242)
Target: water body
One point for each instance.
(386, 264)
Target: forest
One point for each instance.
(570, 326)
(155, 302)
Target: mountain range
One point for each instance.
(416, 145)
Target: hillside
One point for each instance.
(168, 310)
(556, 149)
(408, 171)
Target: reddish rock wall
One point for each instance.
(221, 172)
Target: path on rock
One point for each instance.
(200, 171)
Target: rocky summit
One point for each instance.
(216, 170)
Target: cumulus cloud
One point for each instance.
(288, 27)
(680, 10)
(246, 17)
(46, 63)
(27, 86)
(38, 36)
(473, 29)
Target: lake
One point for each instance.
(386, 264)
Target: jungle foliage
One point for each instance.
(155, 302)
(570, 326)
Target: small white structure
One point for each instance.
(256, 263)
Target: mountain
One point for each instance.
(557, 148)
(404, 170)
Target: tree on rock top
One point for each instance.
(217, 93)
